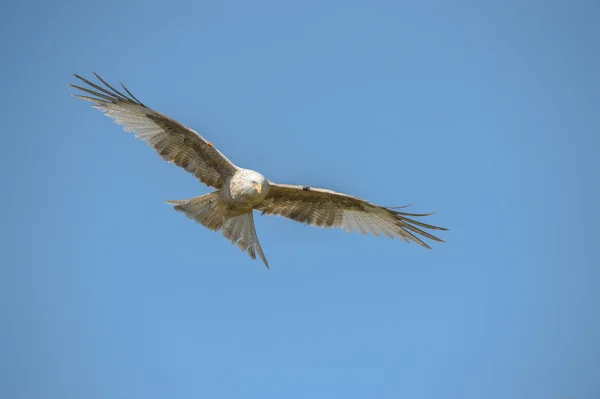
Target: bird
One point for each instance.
(239, 191)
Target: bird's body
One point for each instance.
(240, 191)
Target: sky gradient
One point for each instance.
(486, 114)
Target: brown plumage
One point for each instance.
(239, 191)
(325, 208)
(173, 141)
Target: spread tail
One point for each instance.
(209, 211)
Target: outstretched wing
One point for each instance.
(326, 208)
(169, 138)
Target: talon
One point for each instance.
(210, 144)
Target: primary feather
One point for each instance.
(170, 139)
(326, 208)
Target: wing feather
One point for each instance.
(327, 208)
(173, 141)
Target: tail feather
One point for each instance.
(240, 231)
(209, 211)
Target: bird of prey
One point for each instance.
(239, 191)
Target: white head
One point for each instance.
(255, 182)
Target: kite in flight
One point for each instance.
(239, 191)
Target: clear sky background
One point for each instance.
(487, 114)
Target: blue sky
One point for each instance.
(484, 113)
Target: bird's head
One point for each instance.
(257, 182)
